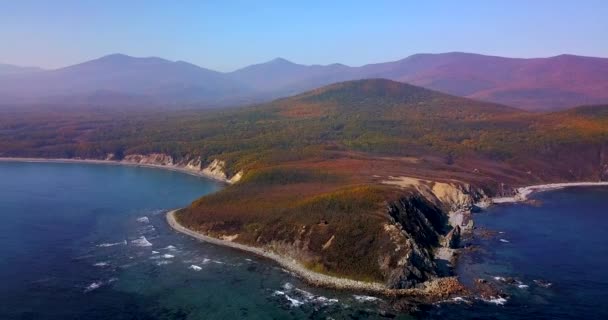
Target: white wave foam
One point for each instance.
(294, 302)
(362, 298)
(306, 294)
(101, 264)
(195, 268)
(325, 300)
(163, 262)
(111, 244)
(501, 279)
(288, 286)
(93, 286)
(299, 297)
(460, 299)
(205, 260)
(168, 256)
(496, 300)
(170, 248)
(522, 286)
(504, 240)
(155, 252)
(141, 242)
(143, 219)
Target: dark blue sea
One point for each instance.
(83, 241)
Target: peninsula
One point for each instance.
(365, 184)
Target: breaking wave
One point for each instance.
(496, 300)
(93, 286)
(297, 297)
(141, 242)
(363, 298)
(143, 219)
(107, 244)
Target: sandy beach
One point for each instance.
(524, 192)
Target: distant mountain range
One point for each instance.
(532, 84)
(6, 69)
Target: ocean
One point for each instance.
(84, 241)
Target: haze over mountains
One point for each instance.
(532, 84)
(6, 69)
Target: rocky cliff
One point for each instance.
(429, 219)
(216, 169)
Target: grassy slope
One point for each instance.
(314, 162)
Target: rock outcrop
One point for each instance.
(158, 159)
(452, 239)
(421, 224)
(431, 218)
(215, 170)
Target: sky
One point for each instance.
(226, 35)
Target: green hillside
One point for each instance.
(315, 164)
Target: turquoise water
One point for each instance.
(84, 241)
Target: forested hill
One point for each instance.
(321, 168)
(376, 117)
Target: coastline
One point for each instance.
(312, 277)
(432, 290)
(524, 192)
(196, 173)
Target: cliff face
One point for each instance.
(158, 159)
(386, 234)
(429, 219)
(399, 250)
(215, 170)
(420, 224)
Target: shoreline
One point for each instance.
(312, 277)
(524, 192)
(432, 291)
(173, 168)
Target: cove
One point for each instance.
(556, 250)
(91, 241)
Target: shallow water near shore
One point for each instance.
(84, 241)
(90, 241)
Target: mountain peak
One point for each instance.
(123, 58)
(116, 56)
(280, 60)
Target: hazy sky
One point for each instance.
(225, 35)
